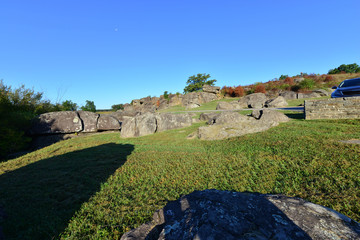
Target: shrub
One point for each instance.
(328, 78)
(239, 91)
(116, 107)
(289, 81)
(295, 88)
(260, 88)
(345, 68)
(166, 95)
(307, 83)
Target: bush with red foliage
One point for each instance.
(260, 88)
(239, 91)
(328, 78)
(289, 81)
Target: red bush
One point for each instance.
(239, 91)
(260, 88)
(329, 78)
(289, 80)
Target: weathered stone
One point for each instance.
(224, 106)
(255, 100)
(299, 79)
(322, 92)
(308, 95)
(167, 121)
(211, 89)
(128, 127)
(289, 95)
(272, 117)
(56, 122)
(276, 102)
(228, 117)
(214, 214)
(145, 124)
(107, 122)
(89, 120)
(197, 98)
(192, 105)
(208, 116)
(175, 99)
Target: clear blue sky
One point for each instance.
(114, 51)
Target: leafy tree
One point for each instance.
(89, 106)
(348, 68)
(196, 82)
(282, 77)
(68, 105)
(116, 107)
(166, 95)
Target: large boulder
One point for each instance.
(276, 102)
(56, 122)
(322, 92)
(229, 105)
(289, 95)
(197, 98)
(232, 124)
(89, 120)
(255, 100)
(215, 214)
(175, 99)
(107, 122)
(167, 121)
(208, 116)
(211, 89)
(128, 127)
(308, 95)
(145, 124)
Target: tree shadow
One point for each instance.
(39, 199)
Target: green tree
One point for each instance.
(89, 106)
(68, 105)
(166, 95)
(116, 107)
(196, 82)
(282, 77)
(348, 68)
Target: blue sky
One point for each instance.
(111, 51)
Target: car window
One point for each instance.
(350, 83)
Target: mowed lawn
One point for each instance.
(100, 186)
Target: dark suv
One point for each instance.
(347, 88)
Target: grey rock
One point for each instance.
(56, 122)
(128, 127)
(167, 121)
(207, 116)
(198, 98)
(211, 89)
(289, 95)
(224, 106)
(228, 117)
(322, 92)
(214, 214)
(107, 122)
(145, 124)
(272, 117)
(255, 100)
(192, 105)
(298, 79)
(308, 95)
(276, 102)
(175, 99)
(89, 120)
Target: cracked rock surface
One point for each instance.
(214, 214)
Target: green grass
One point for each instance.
(100, 186)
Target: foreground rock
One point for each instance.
(149, 123)
(232, 124)
(56, 122)
(255, 100)
(107, 122)
(214, 214)
(276, 102)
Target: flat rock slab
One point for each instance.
(352, 141)
(214, 214)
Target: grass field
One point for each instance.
(100, 186)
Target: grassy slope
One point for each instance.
(100, 186)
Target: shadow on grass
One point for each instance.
(40, 198)
(299, 115)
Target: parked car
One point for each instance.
(347, 88)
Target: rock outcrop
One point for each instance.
(232, 124)
(276, 102)
(72, 122)
(149, 123)
(230, 105)
(288, 95)
(56, 122)
(255, 100)
(214, 214)
(211, 89)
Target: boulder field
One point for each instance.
(214, 214)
